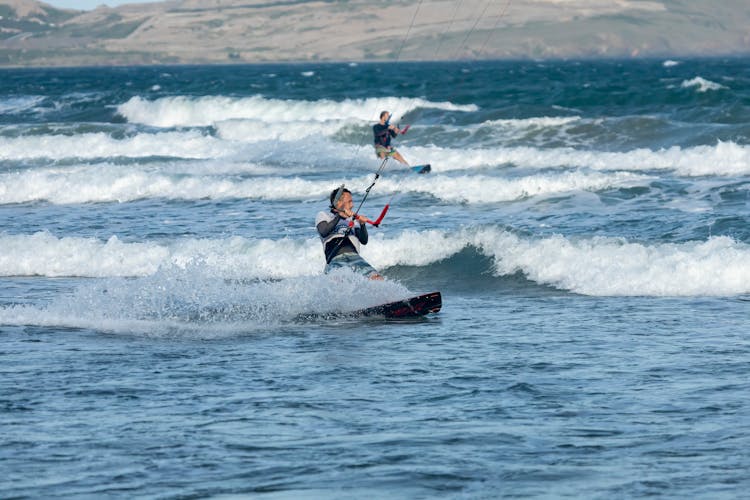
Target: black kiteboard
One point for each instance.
(407, 308)
(413, 307)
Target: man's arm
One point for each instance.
(361, 233)
(325, 227)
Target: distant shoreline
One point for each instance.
(650, 59)
(360, 31)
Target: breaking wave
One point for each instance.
(115, 183)
(701, 84)
(599, 266)
(182, 111)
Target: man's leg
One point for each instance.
(400, 158)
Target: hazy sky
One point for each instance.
(89, 4)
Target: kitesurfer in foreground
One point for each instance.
(384, 132)
(342, 249)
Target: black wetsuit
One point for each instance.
(336, 245)
(383, 135)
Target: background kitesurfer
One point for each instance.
(341, 232)
(384, 132)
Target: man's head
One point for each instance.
(338, 196)
(384, 116)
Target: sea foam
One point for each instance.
(16, 105)
(314, 144)
(724, 158)
(182, 111)
(701, 84)
(486, 189)
(603, 266)
(188, 144)
(43, 254)
(117, 183)
(598, 266)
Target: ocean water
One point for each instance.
(588, 224)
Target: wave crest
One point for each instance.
(599, 266)
(182, 111)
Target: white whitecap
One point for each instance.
(44, 254)
(477, 189)
(117, 183)
(204, 111)
(15, 105)
(724, 158)
(533, 122)
(701, 84)
(599, 266)
(188, 144)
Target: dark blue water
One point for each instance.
(586, 222)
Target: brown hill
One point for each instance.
(221, 31)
